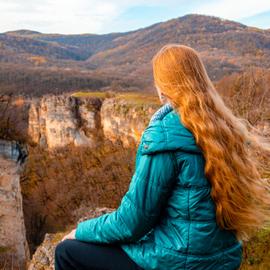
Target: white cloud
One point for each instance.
(92, 16)
(66, 16)
(62, 16)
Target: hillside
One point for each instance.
(225, 46)
(123, 60)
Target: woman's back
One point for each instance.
(186, 235)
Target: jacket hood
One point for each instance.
(166, 132)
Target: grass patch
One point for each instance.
(136, 98)
(4, 249)
(97, 94)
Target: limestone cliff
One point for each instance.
(13, 245)
(125, 121)
(56, 121)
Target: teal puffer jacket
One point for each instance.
(166, 219)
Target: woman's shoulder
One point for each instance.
(165, 132)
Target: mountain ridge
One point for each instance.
(124, 58)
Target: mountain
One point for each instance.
(124, 59)
(225, 46)
(80, 47)
(23, 32)
(19, 48)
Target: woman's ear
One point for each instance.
(163, 98)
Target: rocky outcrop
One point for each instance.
(13, 245)
(125, 121)
(43, 259)
(56, 121)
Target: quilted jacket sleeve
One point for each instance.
(140, 207)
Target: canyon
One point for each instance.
(80, 158)
(53, 125)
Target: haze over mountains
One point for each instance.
(33, 63)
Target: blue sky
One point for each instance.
(106, 16)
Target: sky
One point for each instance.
(107, 16)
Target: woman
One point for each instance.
(196, 193)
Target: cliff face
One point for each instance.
(13, 245)
(121, 120)
(56, 121)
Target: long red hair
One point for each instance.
(231, 146)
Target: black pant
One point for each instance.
(73, 254)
